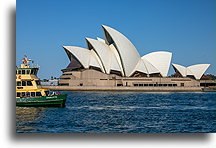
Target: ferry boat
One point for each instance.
(29, 92)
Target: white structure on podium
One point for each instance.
(117, 53)
(195, 70)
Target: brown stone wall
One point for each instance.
(90, 77)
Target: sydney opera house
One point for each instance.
(115, 61)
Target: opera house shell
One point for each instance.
(116, 55)
(195, 70)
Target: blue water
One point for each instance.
(125, 112)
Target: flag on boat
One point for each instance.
(26, 60)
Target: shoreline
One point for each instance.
(121, 88)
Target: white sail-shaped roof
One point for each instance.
(128, 54)
(102, 50)
(95, 61)
(117, 57)
(160, 60)
(145, 67)
(100, 39)
(86, 57)
(82, 54)
(105, 54)
(141, 67)
(181, 69)
(114, 64)
(117, 53)
(196, 70)
(150, 68)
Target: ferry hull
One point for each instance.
(47, 101)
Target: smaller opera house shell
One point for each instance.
(115, 61)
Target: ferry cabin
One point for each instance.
(27, 83)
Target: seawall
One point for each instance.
(121, 88)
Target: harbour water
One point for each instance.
(123, 112)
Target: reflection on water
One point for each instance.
(27, 115)
(125, 112)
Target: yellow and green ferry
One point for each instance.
(29, 92)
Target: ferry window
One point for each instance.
(27, 71)
(67, 74)
(23, 72)
(32, 94)
(174, 84)
(164, 84)
(18, 83)
(37, 82)
(23, 94)
(38, 94)
(19, 71)
(150, 84)
(145, 84)
(23, 83)
(32, 71)
(135, 84)
(18, 94)
(28, 94)
(29, 83)
(35, 72)
(169, 84)
(140, 84)
(160, 85)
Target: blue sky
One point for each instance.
(184, 27)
